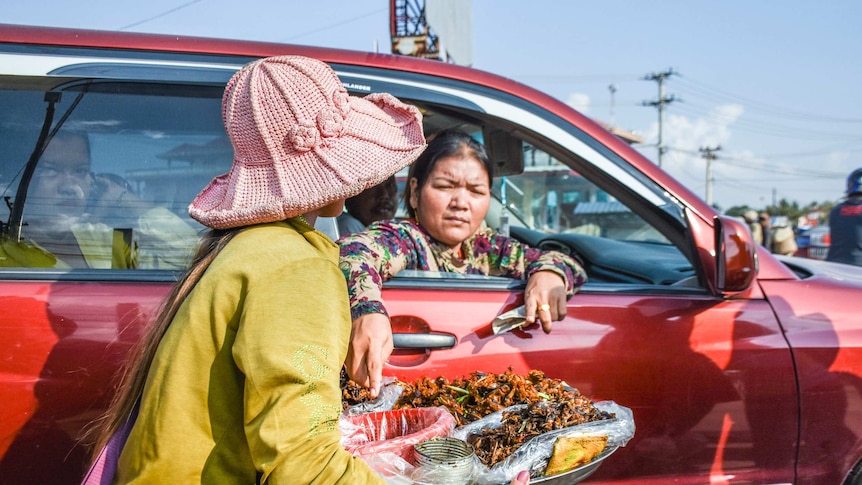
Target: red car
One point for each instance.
(739, 367)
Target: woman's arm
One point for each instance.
(371, 257)
(368, 259)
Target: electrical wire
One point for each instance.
(339, 24)
(167, 12)
(777, 130)
(746, 163)
(706, 91)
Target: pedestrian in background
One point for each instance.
(766, 230)
(751, 219)
(845, 224)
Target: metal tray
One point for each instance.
(576, 475)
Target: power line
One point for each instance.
(763, 167)
(338, 24)
(777, 130)
(784, 113)
(167, 12)
(843, 147)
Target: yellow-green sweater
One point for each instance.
(245, 383)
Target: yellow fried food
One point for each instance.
(573, 451)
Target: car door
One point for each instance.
(708, 375)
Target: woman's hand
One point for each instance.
(370, 346)
(545, 298)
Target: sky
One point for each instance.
(773, 84)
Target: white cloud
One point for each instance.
(684, 137)
(579, 101)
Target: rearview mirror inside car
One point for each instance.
(505, 150)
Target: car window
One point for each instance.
(623, 229)
(551, 197)
(111, 188)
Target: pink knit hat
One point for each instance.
(301, 142)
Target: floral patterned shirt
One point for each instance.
(369, 258)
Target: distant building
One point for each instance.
(629, 137)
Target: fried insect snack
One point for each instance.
(481, 394)
(351, 392)
(550, 405)
(519, 426)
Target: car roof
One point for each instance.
(180, 44)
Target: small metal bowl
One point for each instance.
(444, 460)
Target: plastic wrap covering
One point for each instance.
(394, 431)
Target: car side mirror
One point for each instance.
(735, 256)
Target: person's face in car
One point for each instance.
(375, 204)
(62, 182)
(454, 200)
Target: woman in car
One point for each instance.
(447, 196)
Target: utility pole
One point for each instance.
(613, 90)
(709, 154)
(660, 77)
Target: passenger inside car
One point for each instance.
(74, 218)
(377, 203)
(448, 196)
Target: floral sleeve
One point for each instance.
(370, 258)
(508, 257)
(559, 263)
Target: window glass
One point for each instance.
(112, 187)
(551, 197)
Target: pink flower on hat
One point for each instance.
(330, 121)
(341, 100)
(304, 137)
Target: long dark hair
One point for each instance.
(443, 144)
(134, 372)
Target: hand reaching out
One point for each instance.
(370, 346)
(545, 298)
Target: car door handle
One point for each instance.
(431, 340)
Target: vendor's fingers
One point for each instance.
(375, 375)
(523, 478)
(357, 370)
(374, 363)
(370, 346)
